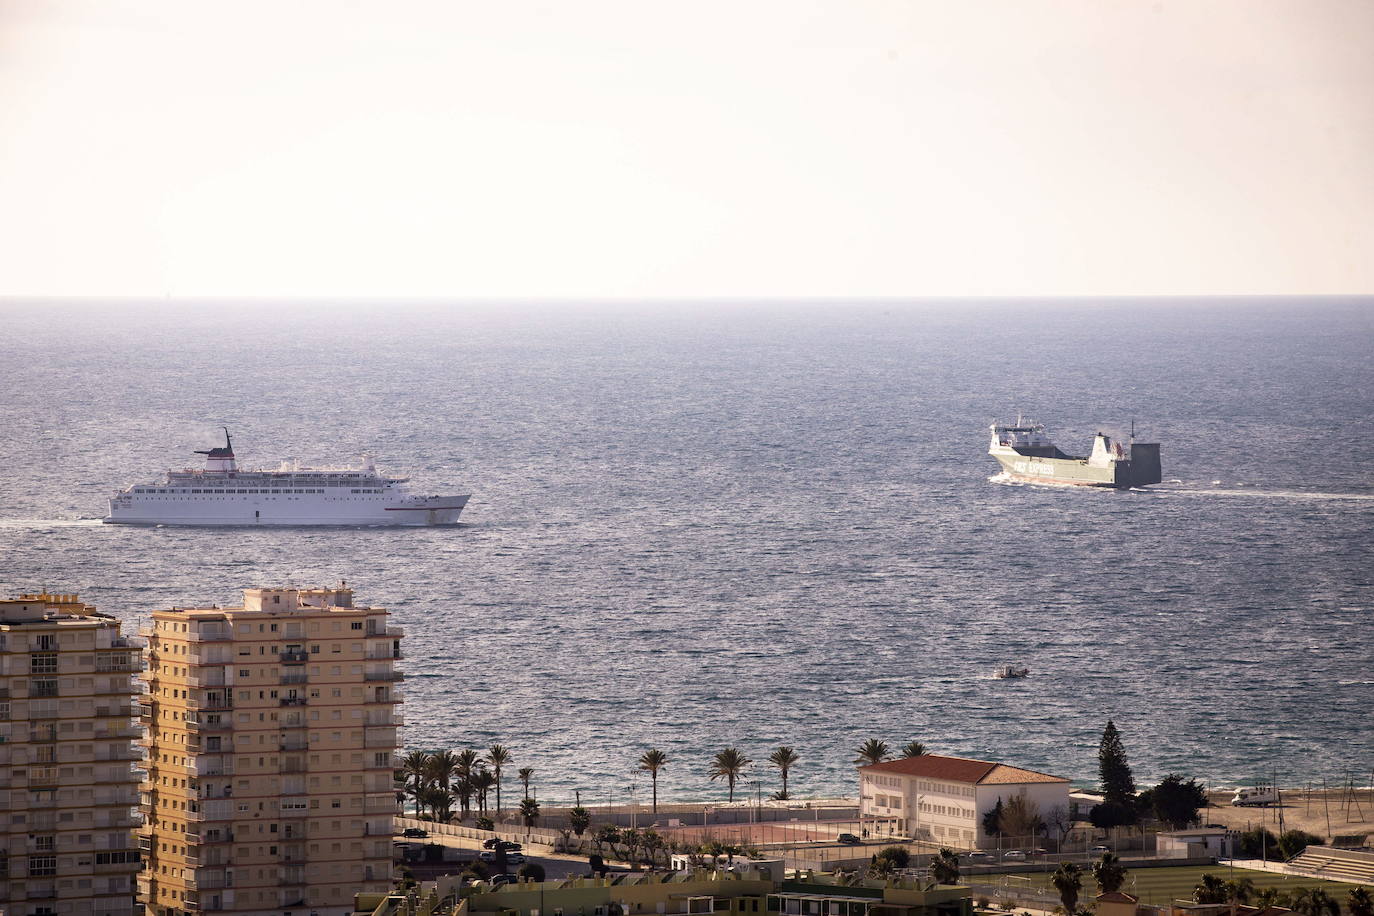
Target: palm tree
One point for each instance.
(652, 761)
(1313, 901)
(784, 758)
(498, 757)
(526, 774)
(1068, 880)
(728, 764)
(1272, 896)
(914, 749)
(438, 800)
(1238, 892)
(467, 764)
(415, 767)
(872, 751)
(529, 810)
(944, 867)
(579, 819)
(1108, 873)
(1210, 889)
(440, 769)
(1360, 902)
(482, 782)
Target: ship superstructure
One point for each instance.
(223, 494)
(1026, 453)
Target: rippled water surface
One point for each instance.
(700, 526)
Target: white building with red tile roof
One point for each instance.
(943, 799)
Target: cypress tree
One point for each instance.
(1118, 786)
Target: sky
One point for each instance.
(173, 148)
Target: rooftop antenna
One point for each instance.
(1132, 429)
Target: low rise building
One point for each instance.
(736, 893)
(68, 783)
(944, 799)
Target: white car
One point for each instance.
(1014, 855)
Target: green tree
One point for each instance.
(1258, 843)
(784, 758)
(651, 761)
(944, 866)
(1360, 902)
(1021, 817)
(1109, 873)
(1068, 881)
(1118, 785)
(607, 835)
(531, 871)
(596, 864)
(872, 751)
(992, 819)
(529, 811)
(1174, 801)
(525, 774)
(727, 765)
(1272, 896)
(579, 819)
(888, 860)
(498, 756)
(1292, 842)
(913, 749)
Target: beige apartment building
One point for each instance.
(68, 786)
(271, 735)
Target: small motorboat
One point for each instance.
(1010, 671)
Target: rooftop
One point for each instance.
(960, 769)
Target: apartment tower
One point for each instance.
(271, 735)
(68, 787)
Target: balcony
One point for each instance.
(210, 837)
(293, 743)
(294, 677)
(208, 724)
(209, 634)
(295, 657)
(293, 701)
(383, 652)
(384, 675)
(383, 718)
(214, 701)
(207, 677)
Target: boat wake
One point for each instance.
(40, 524)
(1266, 494)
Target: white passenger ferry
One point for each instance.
(221, 494)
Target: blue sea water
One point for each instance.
(753, 524)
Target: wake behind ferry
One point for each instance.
(221, 494)
(1026, 453)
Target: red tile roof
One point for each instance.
(960, 769)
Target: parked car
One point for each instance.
(979, 857)
(1098, 850)
(415, 833)
(849, 839)
(486, 855)
(1013, 855)
(498, 880)
(498, 843)
(1038, 852)
(515, 858)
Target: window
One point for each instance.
(357, 625)
(42, 866)
(43, 663)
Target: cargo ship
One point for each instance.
(1026, 453)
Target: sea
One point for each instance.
(700, 525)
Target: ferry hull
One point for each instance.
(279, 511)
(1078, 472)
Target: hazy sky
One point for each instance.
(642, 148)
